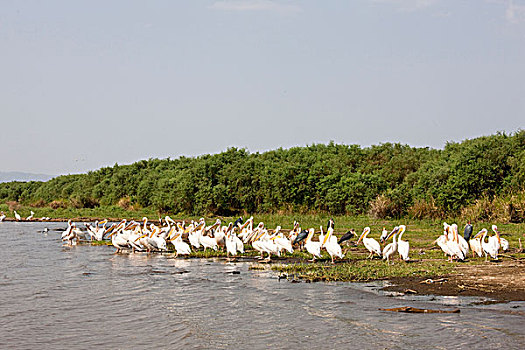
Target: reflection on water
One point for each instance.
(84, 297)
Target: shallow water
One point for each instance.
(85, 296)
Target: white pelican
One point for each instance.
(30, 217)
(17, 216)
(504, 244)
(134, 239)
(231, 244)
(475, 243)
(156, 240)
(294, 232)
(313, 248)
(282, 242)
(238, 243)
(117, 238)
(193, 235)
(370, 244)
(491, 247)
(181, 247)
(258, 244)
(332, 247)
(67, 234)
(208, 242)
(462, 242)
(2, 216)
(453, 244)
(321, 236)
(246, 229)
(384, 233)
(403, 247)
(391, 248)
(441, 241)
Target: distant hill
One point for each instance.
(7, 176)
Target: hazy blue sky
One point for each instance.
(86, 84)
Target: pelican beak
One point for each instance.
(326, 238)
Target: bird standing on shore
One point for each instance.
(504, 244)
(390, 248)
(312, 247)
(468, 231)
(370, 244)
(2, 216)
(17, 216)
(332, 247)
(403, 247)
(475, 243)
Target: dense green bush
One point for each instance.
(385, 180)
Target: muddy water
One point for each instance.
(85, 297)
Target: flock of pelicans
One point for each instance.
(139, 236)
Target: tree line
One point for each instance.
(477, 177)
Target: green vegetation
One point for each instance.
(478, 179)
(364, 270)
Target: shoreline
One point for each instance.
(501, 281)
(428, 273)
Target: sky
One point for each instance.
(87, 84)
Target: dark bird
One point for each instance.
(301, 236)
(347, 236)
(331, 224)
(238, 222)
(468, 231)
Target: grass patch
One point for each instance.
(364, 270)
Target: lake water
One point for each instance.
(85, 297)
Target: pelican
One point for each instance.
(282, 242)
(2, 216)
(313, 248)
(491, 247)
(462, 242)
(117, 238)
(30, 217)
(134, 239)
(384, 233)
(294, 232)
(207, 241)
(181, 247)
(157, 240)
(230, 243)
(321, 235)
(246, 229)
(332, 247)
(370, 244)
(403, 247)
(390, 248)
(441, 241)
(502, 241)
(193, 235)
(67, 234)
(475, 243)
(453, 243)
(17, 216)
(238, 243)
(264, 244)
